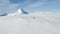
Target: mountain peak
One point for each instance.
(19, 12)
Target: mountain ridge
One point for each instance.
(18, 12)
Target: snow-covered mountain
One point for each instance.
(19, 12)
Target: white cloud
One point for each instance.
(6, 6)
(44, 23)
(37, 3)
(54, 2)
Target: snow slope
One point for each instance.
(34, 23)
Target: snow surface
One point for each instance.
(34, 23)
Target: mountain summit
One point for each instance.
(19, 12)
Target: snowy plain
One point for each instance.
(33, 23)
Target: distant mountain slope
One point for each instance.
(4, 14)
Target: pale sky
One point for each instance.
(8, 6)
